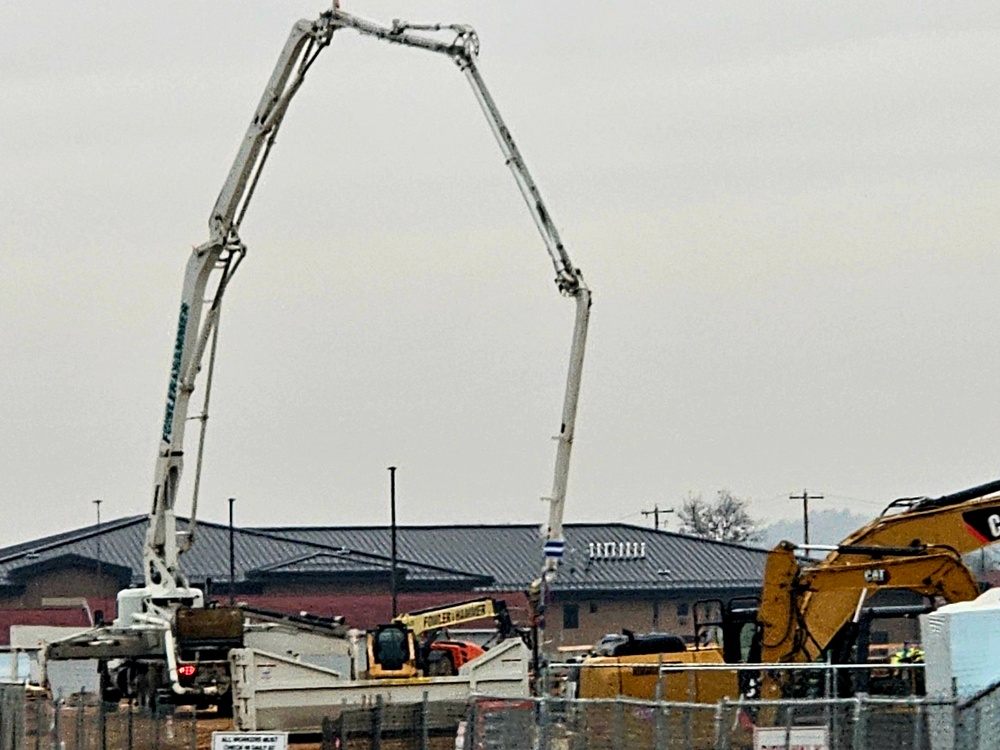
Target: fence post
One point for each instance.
(472, 730)
(918, 725)
(578, 730)
(5, 720)
(658, 691)
(542, 729)
(721, 733)
(102, 723)
(38, 724)
(6, 735)
(340, 731)
(977, 723)
(326, 734)
(956, 724)
(688, 727)
(860, 733)
(80, 732)
(56, 724)
(617, 739)
(377, 724)
(425, 719)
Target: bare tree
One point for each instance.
(725, 519)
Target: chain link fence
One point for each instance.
(428, 725)
(861, 722)
(81, 722)
(857, 723)
(974, 725)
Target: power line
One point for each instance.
(866, 500)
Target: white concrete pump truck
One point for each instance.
(165, 645)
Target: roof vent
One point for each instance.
(617, 550)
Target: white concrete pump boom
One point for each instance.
(224, 250)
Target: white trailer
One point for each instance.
(280, 692)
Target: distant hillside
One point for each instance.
(825, 527)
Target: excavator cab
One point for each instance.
(731, 626)
(392, 652)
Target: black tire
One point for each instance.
(441, 665)
(224, 707)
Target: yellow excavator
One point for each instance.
(411, 645)
(810, 611)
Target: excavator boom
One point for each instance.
(917, 542)
(800, 618)
(966, 521)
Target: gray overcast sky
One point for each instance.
(787, 212)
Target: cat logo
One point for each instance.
(876, 575)
(984, 523)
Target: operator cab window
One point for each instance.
(391, 649)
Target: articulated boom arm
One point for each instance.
(463, 50)
(965, 521)
(224, 250)
(803, 609)
(436, 618)
(221, 254)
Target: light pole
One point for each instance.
(392, 509)
(232, 555)
(100, 563)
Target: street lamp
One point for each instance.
(392, 505)
(232, 555)
(100, 563)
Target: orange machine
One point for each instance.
(412, 644)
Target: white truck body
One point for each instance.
(278, 692)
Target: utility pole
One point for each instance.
(805, 497)
(392, 505)
(655, 513)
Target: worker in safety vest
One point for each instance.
(911, 681)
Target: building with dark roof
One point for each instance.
(613, 575)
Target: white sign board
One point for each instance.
(249, 740)
(792, 738)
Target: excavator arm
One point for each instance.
(802, 613)
(802, 609)
(965, 521)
